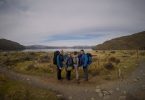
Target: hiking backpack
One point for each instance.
(89, 55)
(56, 53)
(70, 62)
(80, 60)
(75, 60)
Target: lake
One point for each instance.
(52, 50)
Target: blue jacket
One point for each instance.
(84, 60)
(60, 60)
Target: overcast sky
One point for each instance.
(69, 22)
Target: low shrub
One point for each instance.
(95, 59)
(44, 59)
(109, 66)
(114, 60)
(31, 67)
(125, 56)
(103, 51)
(28, 57)
(142, 53)
(112, 51)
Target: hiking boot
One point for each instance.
(86, 80)
(78, 82)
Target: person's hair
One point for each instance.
(61, 51)
(57, 52)
(82, 50)
(75, 53)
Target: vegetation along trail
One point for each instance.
(131, 88)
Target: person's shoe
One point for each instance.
(78, 82)
(86, 80)
(68, 79)
(60, 79)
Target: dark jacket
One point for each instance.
(60, 60)
(69, 62)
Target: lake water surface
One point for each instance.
(52, 50)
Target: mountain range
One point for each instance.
(57, 47)
(10, 45)
(130, 42)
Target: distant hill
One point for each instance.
(134, 41)
(43, 47)
(10, 45)
(57, 47)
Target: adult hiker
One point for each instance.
(85, 62)
(69, 66)
(76, 64)
(58, 61)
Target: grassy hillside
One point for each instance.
(10, 45)
(134, 41)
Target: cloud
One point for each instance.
(52, 21)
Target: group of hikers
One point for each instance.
(72, 61)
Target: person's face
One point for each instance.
(61, 52)
(82, 52)
(75, 53)
(69, 55)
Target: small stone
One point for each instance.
(86, 90)
(106, 97)
(97, 87)
(105, 93)
(124, 92)
(28, 79)
(138, 78)
(143, 87)
(92, 98)
(70, 97)
(59, 96)
(100, 94)
(125, 67)
(110, 91)
(117, 89)
(122, 98)
(141, 71)
(98, 90)
(135, 80)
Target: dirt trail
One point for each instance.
(132, 88)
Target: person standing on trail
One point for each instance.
(84, 62)
(76, 64)
(58, 61)
(69, 66)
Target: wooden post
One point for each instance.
(137, 53)
(98, 63)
